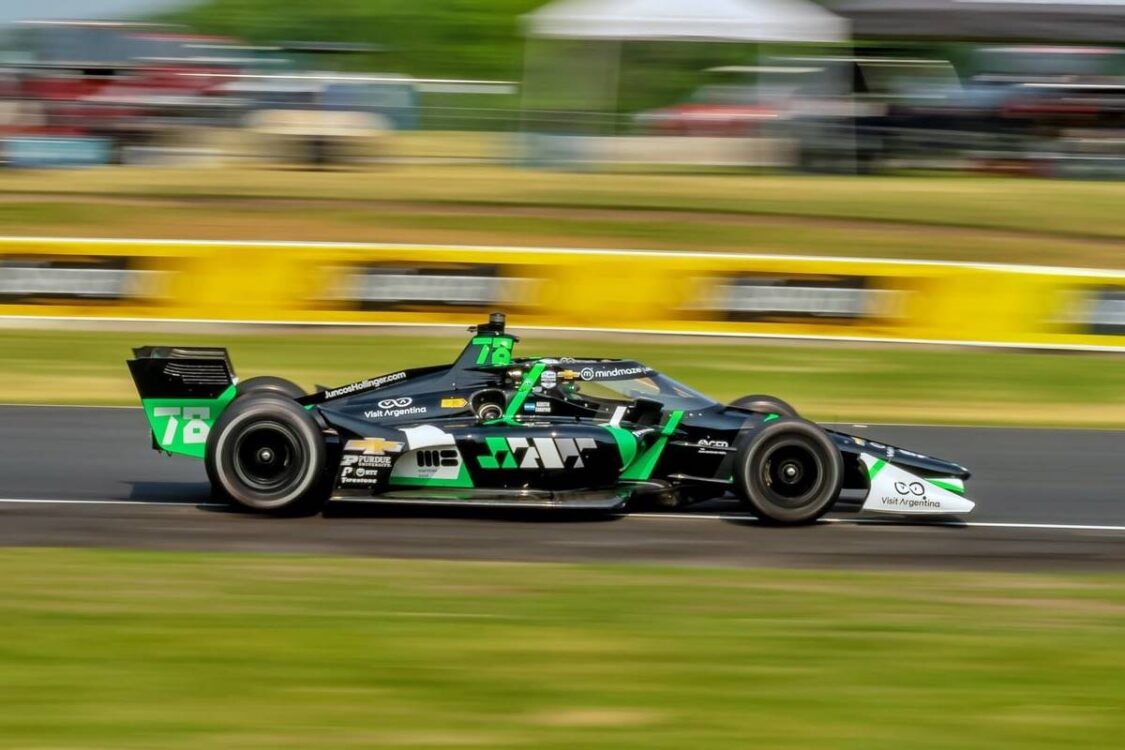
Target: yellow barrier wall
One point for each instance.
(625, 290)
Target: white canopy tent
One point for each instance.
(688, 20)
(582, 76)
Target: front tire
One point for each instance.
(267, 454)
(790, 472)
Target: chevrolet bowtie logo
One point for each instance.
(373, 446)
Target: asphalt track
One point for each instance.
(1047, 500)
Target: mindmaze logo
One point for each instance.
(590, 373)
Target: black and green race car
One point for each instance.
(495, 429)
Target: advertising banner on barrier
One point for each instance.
(629, 290)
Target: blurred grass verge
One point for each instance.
(186, 650)
(1083, 209)
(962, 218)
(827, 382)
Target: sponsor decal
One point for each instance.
(549, 379)
(1098, 311)
(432, 458)
(537, 453)
(368, 462)
(359, 476)
(778, 299)
(365, 385)
(396, 403)
(713, 447)
(73, 279)
(910, 488)
(373, 446)
(537, 407)
(910, 502)
(453, 403)
(437, 463)
(713, 443)
(610, 373)
(394, 413)
(426, 286)
(909, 494)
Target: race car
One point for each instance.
(493, 429)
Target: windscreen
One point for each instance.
(653, 386)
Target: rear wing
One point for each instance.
(183, 390)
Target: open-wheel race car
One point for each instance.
(495, 429)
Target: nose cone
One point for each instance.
(901, 492)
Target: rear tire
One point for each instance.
(270, 384)
(267, 454)
(766, 405)
(790, 472)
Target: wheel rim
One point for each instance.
(792, 472)
(268, 457)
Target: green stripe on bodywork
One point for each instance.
(771, 417)
(641, 468)
(876, 468)
(626, 443)
(181, 425)
(461, 481)
(497, 446)
(528, 383)
(947, 486)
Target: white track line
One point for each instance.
(886, 522)
(648, 516)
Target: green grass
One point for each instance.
(827, 382)
(543, 227)
(157, 650)
(921, 217)
(1065, 208)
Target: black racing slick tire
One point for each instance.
(267, 454)
(789, 473)
(765, 404)
(270, 384)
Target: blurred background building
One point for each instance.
(840, 86)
